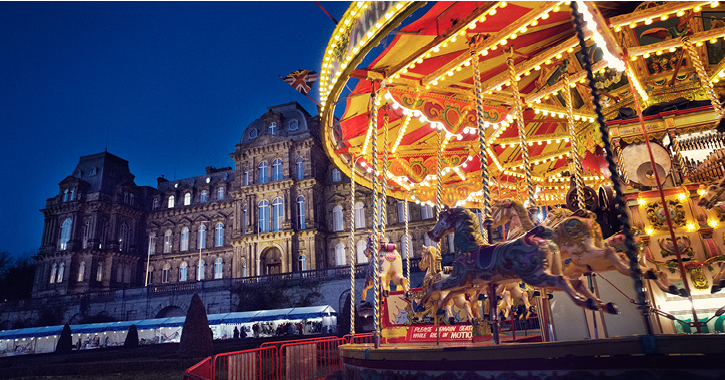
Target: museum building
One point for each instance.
(282, 208)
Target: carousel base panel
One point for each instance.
(635, 357)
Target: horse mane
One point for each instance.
(523, 215)
(470, 239)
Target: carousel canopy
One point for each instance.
(424, 78)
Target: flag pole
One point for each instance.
(308, 97)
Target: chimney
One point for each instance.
(160, 180)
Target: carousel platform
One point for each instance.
(632, 357)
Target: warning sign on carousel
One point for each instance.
(447, 333)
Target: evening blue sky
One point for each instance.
(170, 86)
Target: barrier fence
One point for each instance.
(201, 371)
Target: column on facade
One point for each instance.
(107, 270)
(290, 261)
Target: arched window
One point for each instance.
(263, 172)
(201, 243)
(426, 211)
(340, 254)
(125, 197)
(405, 246)
(337, 218)
(428, 241)
(82, 271)
(200, 271)
(276, 170)
(124, 241)
(65, 234)
(65, 195)
(171, 201)
(220, 193)
(218, 268)
(277, 214)
(86, 233)
(155, 204)
(53, 271)
(401, 211)
(244, 270)
(104, 233)
(264, 216)
(360, 248)
(187, 199)
(301, 212)
(336, 175)
(165, 273)
(73, 194)
(246, 176)
(203, 196)
(244, 220)
(185, 239)
(152, 243)
(272, 128)
(359, 215)
(219, 241)
(299, 163)
(182, 271)
(99, 272)
(293, 125)
(303, 263)
(167, 241)
(61, 271)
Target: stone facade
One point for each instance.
(282, 208)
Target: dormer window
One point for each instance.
(293, 125)
(155, 204)
(220, 193)
(65, 195)
(272, 128)
(171, 202)
(187, 199)
(336, 175)
(203, 196)
(253, 133)
(73, 194)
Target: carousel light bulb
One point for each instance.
(534, 23)
(673, 49)
(513, 36)
(633, 24)
(558, 55)
(659, 52)
(523, 30)
(527, 73)
(641, 202)
(483, 53)
(556, 8)
(690, 227)
(617, 28)
(697, 8)
(634, 58)
(680, 13)
(699, 43)
(721, 74)
(492, 11)
(545, 16)
(713, 41)
(472, 25)
(681, 196)
(714, 4)
(648, 21)
(453, 39)
(712, 223)
(664, 17)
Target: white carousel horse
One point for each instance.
(430, 262)
(714, 195)
(390, 265)
(531, 258)
(583, 250)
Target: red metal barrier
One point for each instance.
(203, 370)
(258, 364)
(309, 359)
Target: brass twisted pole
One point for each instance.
(439, 186)
(581, 204)
(519, 117)
(408, 244)
(486, 209)
(384, 189)
(352, 245)
(702, 74)
(376, 241)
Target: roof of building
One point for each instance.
(102, 171)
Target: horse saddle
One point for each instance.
(485, 257)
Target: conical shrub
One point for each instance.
(196, 336)
(131, 337)
(65, 342)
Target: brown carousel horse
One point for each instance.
(583, 249)
(531, 258)
(511, 294)
(390, 264)
(430, 262)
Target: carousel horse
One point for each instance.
(531, 258)
(430, 262)
(390, 264)
(511, 294)
(718, 282)
(583, 250)
(713, 195)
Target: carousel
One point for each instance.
(572, 149)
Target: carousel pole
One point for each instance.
(407, 241)
(376, 241)
(519, 117)
(702, 74)
(384, 189)
(631, 249)
(439, 186)
(570, 125)
(353, 160)
(486, 209)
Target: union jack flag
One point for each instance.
(301, 80)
